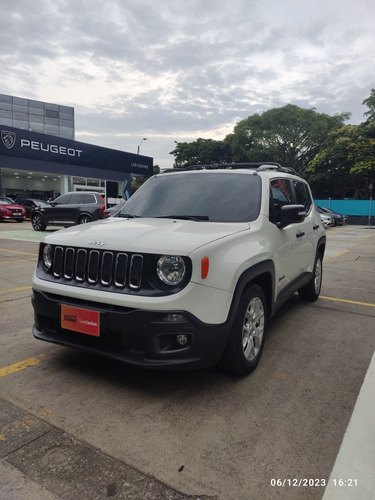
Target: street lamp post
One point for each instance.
(139, 145)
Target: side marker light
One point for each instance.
(205, 264)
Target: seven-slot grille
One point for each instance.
(98, 267)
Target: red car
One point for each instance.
(9, 210)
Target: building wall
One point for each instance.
(37, 116)
(349, 207)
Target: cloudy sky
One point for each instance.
(177, 70)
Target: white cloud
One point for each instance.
(176, 70)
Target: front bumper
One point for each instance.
(18, 218)
(138, 337)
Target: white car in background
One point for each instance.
(327, 220)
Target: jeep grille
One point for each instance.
(98, 267)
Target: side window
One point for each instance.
(302, 195)
(280, 195)
(63, 199)
(88, 198)
(75, 199)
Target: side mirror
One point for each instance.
(291, 214)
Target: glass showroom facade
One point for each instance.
(38, 116)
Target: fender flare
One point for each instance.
(263, 274)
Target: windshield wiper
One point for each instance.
(185, 217)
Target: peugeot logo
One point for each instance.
(97, 242)
(8, 138)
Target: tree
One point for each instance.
(345, 165)
(201, 151)
(370, 103)
(289, 135)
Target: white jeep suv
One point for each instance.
(187, 273)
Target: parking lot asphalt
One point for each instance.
(74, 426)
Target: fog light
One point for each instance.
(182, 339)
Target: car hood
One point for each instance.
(145, 235)
(11, 206)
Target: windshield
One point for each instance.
(6, 201)
(217, 197)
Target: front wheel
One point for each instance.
(38, 223)
(311, 291)
(245, 343)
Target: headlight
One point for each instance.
(47, 256)
(171, 269)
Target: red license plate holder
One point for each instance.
(78, 319)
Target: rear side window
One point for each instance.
(88, 198)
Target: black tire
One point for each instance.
(38, 223)
(84, 219)
(311, 291)
(20, 220)
(246, 340)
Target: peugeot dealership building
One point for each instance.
(39, 157)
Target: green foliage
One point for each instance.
(370, 103)
(289, 135)
(345, 165)
(338, 159)
(201, 151)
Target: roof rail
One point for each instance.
(258, 166)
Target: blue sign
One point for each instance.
(66, 153)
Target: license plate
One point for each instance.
(80, 320)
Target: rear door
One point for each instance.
(65, 208)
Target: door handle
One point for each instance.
(299, 234)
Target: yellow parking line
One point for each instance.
(19, 289)
(17, 260)
(21, 365)
(19, 253)
(367, 304)
(336, 255)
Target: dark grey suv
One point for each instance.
(69, 209)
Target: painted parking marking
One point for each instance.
(347, 301)
(21, 365)
(18, 260)
(18, 252)
(19, 289)
(336, 255)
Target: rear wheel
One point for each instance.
(84, 219)
(246, 340)
(38, 223)
(311, 291)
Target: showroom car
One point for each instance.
(9, 210)
(30, 203)
(69, 209)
